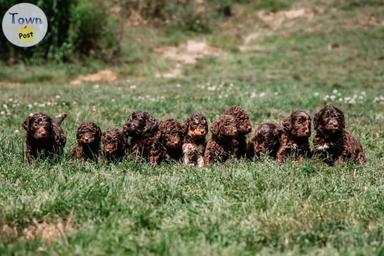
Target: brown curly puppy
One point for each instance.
(171, 132)
(114, 145)
(143, 130)
(195, 130)
(88, 138)
(332, 142)
(266, 141)
(243, 128)
(220, 147)
(44, 136)
(294, 142)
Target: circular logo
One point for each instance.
(24, 25)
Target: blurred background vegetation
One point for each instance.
(80, 29)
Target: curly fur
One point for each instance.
(114, 144)
(332, 142)
(88, 138)
(195, 130)
(243, 128)
(44, 136)
(143, 130)
(294, 142)
(171, 139)
(220, 147)
(266, 141)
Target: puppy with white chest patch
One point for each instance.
(332, 142)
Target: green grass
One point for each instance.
(236, 208)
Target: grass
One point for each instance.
(236, 208)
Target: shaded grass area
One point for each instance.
(240, 207)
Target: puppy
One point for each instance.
(44, 136)
(294, 142)
(88, 138)
(143, 130)
(171, 139)
(266, 141)
(114, 145)
(195, 130)
(220, 147)
(332, 142)
(244, 127)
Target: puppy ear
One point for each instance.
(26, 123)
(316, 119)
(287, 123)
(151, 125)
(126, 130)
(340, 116)
(185, 126)
(215, 128)
(278, 132)
(98, 132)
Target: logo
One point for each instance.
(24, 25)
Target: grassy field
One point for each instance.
(270, 64)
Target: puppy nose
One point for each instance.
(87, 138)
(333, 123)
(200, 132)
(176, 141)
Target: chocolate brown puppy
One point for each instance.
(332, 142)
(88, 138)
(244, 127)
(142, 128)
(220, 147)
(114, 144)
(44, 136)
(294, 142)
(266, 141)
(195, 130)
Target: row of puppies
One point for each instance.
(143, 137)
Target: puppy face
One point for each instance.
(298, 124)
(242, 119)
(329, 119)
(139, 124)
(88, 133)
(112, 140)
(226, 126)
(267, 138)
(197, 126)
(39, 126)
(244, 127)
(172, 133)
